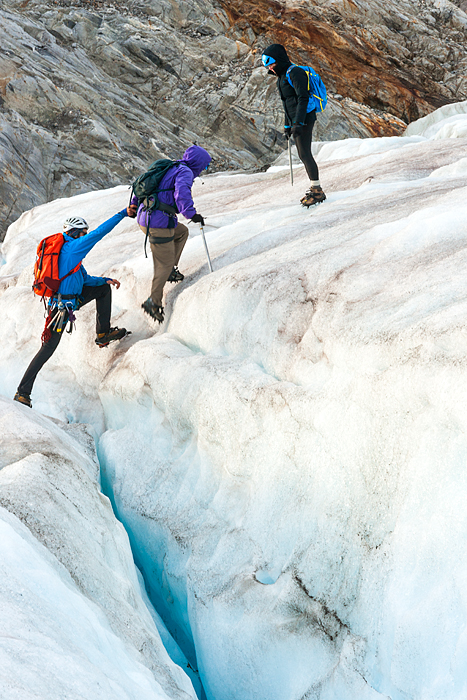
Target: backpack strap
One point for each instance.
(161, 206)
(303, 68)
(72, 272)
(148, 216)
(289, 78)
(42, 255)
(307, 71)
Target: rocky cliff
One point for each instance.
(90, 92)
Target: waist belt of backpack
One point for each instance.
(66, 297)
(167, 209)
(161, 206)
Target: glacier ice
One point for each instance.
(287, 452)
(74, 622)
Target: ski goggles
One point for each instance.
(267, 60)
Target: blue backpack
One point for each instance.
(318, 96)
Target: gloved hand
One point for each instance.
(131, 211)
(198, 219)
(297, 129)
(287, 132)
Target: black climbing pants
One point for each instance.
(103, 296)
(303, 143)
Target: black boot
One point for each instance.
(175, 276)
(156, 312)
(103, 339)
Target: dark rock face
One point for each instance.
(404, 57)
(91, 93)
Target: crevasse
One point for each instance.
(288, 452)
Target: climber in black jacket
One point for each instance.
(298, 121)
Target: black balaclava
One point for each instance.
(278, 52)
(74, 232)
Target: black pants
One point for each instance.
(303, 143)
(103, 296)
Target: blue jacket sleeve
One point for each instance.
(91, 280)
(79, 247)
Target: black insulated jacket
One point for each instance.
(294, 99)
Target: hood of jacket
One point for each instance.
(196, 158)
(278, 52)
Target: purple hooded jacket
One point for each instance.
(178, 181)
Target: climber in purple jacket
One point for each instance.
(167, 236)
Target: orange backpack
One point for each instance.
(46, 279)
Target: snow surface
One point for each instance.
(288, 451)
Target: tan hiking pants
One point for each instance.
(165, 256)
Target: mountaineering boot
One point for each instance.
(103, 339)
(175, 276)
(23, 398)
(314, 195)
(156, 312)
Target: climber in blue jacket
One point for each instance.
(77, 289)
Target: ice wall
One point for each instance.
(287, 452)
(74, 623)
(447, 122)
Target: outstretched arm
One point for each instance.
(81, 246)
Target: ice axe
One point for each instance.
(206, 247)
(290, 162)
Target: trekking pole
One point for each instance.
(206, 246)
(290, 161)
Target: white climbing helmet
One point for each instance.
(74, 222)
